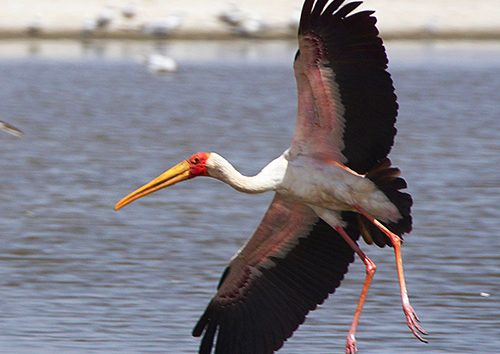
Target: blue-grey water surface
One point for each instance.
(78, 277)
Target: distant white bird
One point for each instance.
(241, 22)
(250, 25)
(129, 11)
(232, 16)
(104, 18)
(89, 26)
(6, 127)
(159, 63)
(164, 27)
(431, 26)
(35, 26)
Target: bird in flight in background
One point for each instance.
(333, 184)
(8, 128)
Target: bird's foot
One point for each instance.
(414, 323)
(350, 344)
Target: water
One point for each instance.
(77, 277)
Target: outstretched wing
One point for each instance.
(347, 106)
(288, 267)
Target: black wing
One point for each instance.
(289, 266)
(347, 105)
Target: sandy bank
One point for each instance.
(198, 18)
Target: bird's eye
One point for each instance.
(195, 160)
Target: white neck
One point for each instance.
(268, 179)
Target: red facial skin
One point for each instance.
(197, 164)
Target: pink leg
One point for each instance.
(411, 317)
(350, 347)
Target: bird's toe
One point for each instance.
(414, 323)
(350, 345)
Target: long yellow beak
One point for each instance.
(178, 173)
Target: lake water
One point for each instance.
(78, 277)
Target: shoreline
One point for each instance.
(215, 36)
(261, 19)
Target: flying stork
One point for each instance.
(334, 184)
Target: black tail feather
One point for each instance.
(388, 180)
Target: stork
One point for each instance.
(334, 184)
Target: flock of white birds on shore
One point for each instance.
(237, 21)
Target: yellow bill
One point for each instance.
(178, 173)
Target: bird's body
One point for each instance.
(159, 63)
(232, 16)
(6, 127)
(241, 22)
(333, 185)
(129, 11)
(35, 26)
(104, 18)
(164, 27)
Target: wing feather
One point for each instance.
(347, 106)
(266, 292)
